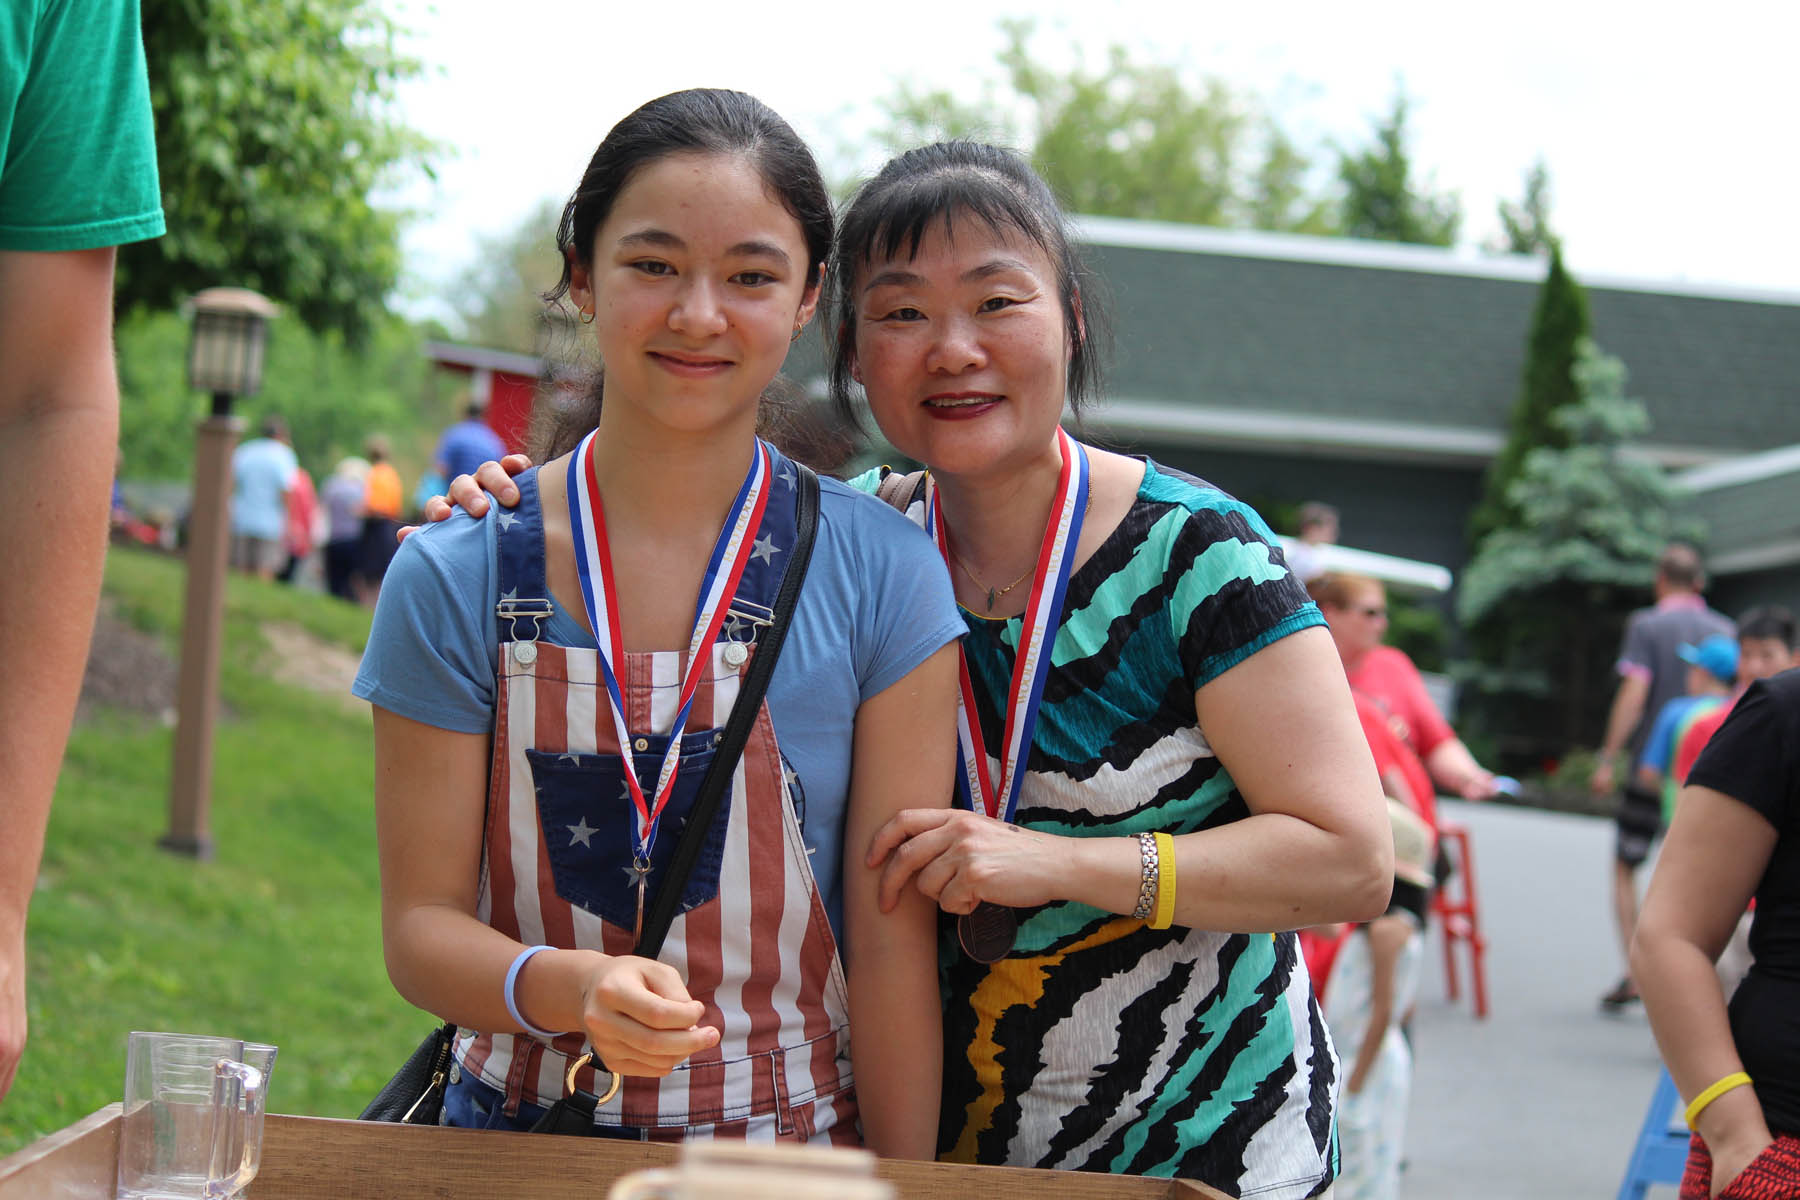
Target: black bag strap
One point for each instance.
(574, 1113)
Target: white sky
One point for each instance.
(1669, 129)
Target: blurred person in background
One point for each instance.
(1318, 527)
(342, 501)
(1373, 981)
(382, 504)
(1651, 673)
(1735, 838)
(1711, 676)
(262, 476)
(301, 532)
(1355, 607)
(466, 444)
(77, 178)
(1765, 646)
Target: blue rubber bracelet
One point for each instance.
(512, 1003)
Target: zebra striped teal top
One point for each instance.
(1100, 1044)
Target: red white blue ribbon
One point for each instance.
(593, 563)
(1037, 637)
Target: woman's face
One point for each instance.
(697, 283)
(962, 348)
(1359, 627)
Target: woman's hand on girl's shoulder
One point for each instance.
(640, 1018)
(470, 492)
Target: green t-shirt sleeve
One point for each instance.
(77, 144)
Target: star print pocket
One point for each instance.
(586, 817)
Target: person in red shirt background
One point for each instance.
(1356, 609)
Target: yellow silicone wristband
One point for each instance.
(1165, 882)
(1734, 1080)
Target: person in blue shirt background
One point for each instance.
(467, 444)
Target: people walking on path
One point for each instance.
(1651, 673)
(262, 476)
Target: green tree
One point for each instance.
(1558, 326)
(499, 295)
(275, 131)
(1383, 201)
(1546, 594)
(917, 118)
(1127, 139)
(1525, 225)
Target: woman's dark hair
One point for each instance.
(939, 183)
(702, 121)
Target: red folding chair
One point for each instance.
(1459, 916)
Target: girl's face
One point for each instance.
(697, 283)
(962, 348)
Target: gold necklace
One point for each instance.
(994, 593)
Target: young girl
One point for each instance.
(533, 782)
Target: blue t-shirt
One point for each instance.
(261, 470)
(1675, 717)
(465, 446)
(876, 604)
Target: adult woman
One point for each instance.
(1356, 608)
(1172, 666)
(1735, 836)
(694, 247)
(1186, 668)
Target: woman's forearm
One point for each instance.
(1455, 770)
(1267, 872)
(1687, 1014)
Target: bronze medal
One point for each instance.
(987, 933)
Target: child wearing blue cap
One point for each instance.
(1712, 670)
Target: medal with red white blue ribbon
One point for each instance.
(593, 564)
(987, 934)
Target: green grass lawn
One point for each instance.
(277, 939)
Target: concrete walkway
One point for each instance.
(1544, 1097)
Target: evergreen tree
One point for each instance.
(1558, 326)
(1545, 595)
(1382, 200)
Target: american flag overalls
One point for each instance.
(751, 937)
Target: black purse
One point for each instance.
(415, 1095)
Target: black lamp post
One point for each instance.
(225, 359)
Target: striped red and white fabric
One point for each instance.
(760, 956)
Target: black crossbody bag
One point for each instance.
(415, 1095)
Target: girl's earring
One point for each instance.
(587, 316)
(798, 330)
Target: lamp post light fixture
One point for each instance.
(225, 360)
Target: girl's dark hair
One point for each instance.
(703, 121)
(941, 182)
